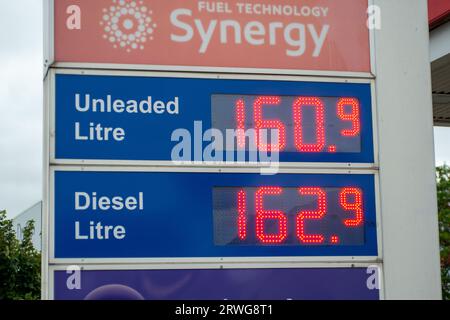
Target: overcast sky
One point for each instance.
(21, 106)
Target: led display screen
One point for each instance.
(274, 215)
(304, 124)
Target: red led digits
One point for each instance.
(356, 205)
(242, 218)
(334, 239)
(332, 149)
(315, 215)
(262, 215)
(240, 121)
(353, 116)
(298, 124)
(260, 124)
(350, 200)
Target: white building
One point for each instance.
(33, 213)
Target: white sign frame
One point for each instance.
(140, 74)
(406, 203)
(113, 261)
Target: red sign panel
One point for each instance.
(321, 35)
(438, 11)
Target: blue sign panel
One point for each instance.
(164, 119)
(170, 215)
(220, 284)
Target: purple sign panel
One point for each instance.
(218, 284)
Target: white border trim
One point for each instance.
(224, 70)
(372, 44)
(45, 191)
(216, 75)
(49, 35)
(201, 169)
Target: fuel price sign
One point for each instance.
(148, 118)
(113, 214)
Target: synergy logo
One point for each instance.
(263, 30)
(127, 25)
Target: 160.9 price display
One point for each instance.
(303, 124)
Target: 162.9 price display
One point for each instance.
(275, 215)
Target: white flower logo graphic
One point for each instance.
(128, 24)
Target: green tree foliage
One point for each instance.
(443, 193)
(20, 263)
